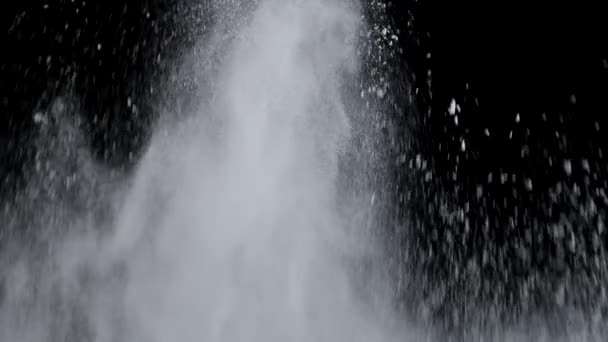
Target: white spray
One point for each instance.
(230, 229)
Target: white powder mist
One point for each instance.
(230, 228)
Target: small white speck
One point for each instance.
(456, 120)
(585, 165)
(452, 107)
(428, 176)
(486, 132)
(573, 99)
(39, 118)
(528, 184)
(463, 145)
(479, 191)
(129, 101)
(418, 161)
(517, 118)
(567, 167)
(98, 47)
(428, 55)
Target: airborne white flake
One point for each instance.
(452, 107)
(567, 167)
